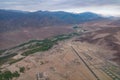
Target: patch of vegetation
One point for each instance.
(6, 58)
(75, 27)
(16, 74)
(22, 69)
(7, 75)
(34, 46)
(111, 74)
(76, 34)
(14, 61)
(46, 44)
(61, 37)
(2, 51)
(21, 45)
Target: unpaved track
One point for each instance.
(85, 64)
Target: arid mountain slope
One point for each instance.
(107, 37)
(12, 38)
(99, 24)
(89, 55)
(12, 20)
(17, 26)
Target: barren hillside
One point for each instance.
(107, 37)
(12, 38)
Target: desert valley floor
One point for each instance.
(88, 51)
(68, 60)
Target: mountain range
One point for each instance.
(13, 19)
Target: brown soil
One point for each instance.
(13, 38)
(108, 37)
(62, 63)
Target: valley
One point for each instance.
(46, 45)
(12, 38)
(70, 58)
(67, 60)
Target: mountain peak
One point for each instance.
(89, 13)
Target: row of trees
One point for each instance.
(8, 75)
(46, 44)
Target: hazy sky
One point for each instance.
(106, 7)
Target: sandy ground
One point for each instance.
(62, 63)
